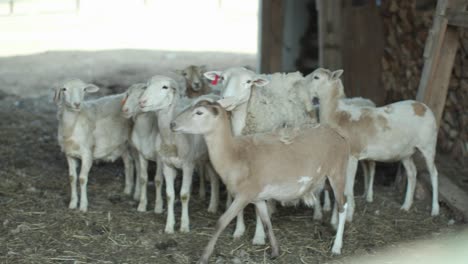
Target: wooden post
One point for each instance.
(12, 4)
(271, 41)
(439, 56)
(330, 33)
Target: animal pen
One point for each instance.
(390, 50)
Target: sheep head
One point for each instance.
(159, 93)
(237, 85)
(71, 93)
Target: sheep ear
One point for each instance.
(57, 94)
(203, 68)
(336, 74)
(260, 81)
(91, 88)
(211, 75)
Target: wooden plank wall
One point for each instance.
(271, 35)
(362, 50)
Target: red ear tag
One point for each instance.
(215, 81)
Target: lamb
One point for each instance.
(262, 109)
(182, 151)
(91, 130)
(388, 133)
(195, 84)
(144, 138)
(260, 167)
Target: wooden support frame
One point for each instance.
(439, 56)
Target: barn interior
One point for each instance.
(390, 50)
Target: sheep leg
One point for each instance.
(429, 158)
(129, 172)
(136, 194)
(262, 211)
(185, 196)
(370, 188)
(201, 176)
(317, 206)
(271, 206)
(236, 207)
(72, 164)
(341, 206)
(365, 172)
(214, 197)
(240, 225)
(86, 163)
(411, 184)
(169, 177)
(158, 180)
(338, 243)
(228, 199)
(259, 237)
(143, 164)
(327, 201)
(349, 190)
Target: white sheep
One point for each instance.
(144, 138)
(261, 167)
(389, 133)
(260, 103)
(91, 130)
(182, 151)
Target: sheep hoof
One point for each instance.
(136, 196)
(405, 208)
(369, 199)
(238, 233)
(275, 253)
(212, 209)
(258, 241)
(127, 190)
(336, 250)
(169, 230)
(84, 209)
(73, 205)
(318, 216)
(435, 211)
(158, 209)
(141, 207)
(184, 229)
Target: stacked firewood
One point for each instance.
(406, 28)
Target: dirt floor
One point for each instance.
(37, 227)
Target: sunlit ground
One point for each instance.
(179, 25)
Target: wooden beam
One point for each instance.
(457, 18)
(450, 193)
(271, 41)
(330, 33)
(439, 56)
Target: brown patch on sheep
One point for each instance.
(357, 131)
(168, 150)
(82, 181)
(383, 122)
(70, 145)
(419, 109)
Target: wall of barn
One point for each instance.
(406, 26)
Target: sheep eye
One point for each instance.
(316, 77)
(64, 89)
(249, 81)
(199, 113)
(184, 74)
(164, 87)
